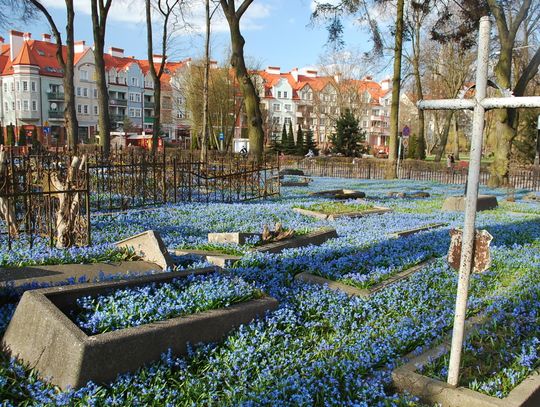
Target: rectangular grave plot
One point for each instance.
(42, 335)
(213, 257)
(362, 292)
(406, 378)
(316, 238)
(320, 215)
(409, 232)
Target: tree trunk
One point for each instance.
(420, 141)
(204, 140)
(443, 139)
(251, 99)
(391, 170)
(99, 21)
(70, 114)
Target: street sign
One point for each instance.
(405, 142)
(406, 131)
(221, 137)
(46, 130)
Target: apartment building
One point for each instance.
(303, 97)
(32, 91)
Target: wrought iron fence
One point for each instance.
(526, 178)
(41, 197)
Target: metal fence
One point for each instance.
(526, 178)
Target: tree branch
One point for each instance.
(243, 7)
(56, 33)
(528, 73)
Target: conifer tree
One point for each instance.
(300, 144)
(22, 136)
(411, 152)
(420, 148)
(10, 138)
(310, 143)
(348, 137)
(284, 139)
(291, 146)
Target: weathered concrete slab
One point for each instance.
(214, 257)
(361, 292)
(407, 379)
(150, 247)
(377, 210)
(457, 203)
(340, 194)
(294, 183)
(61, 272)
(316, 238)
(408, 232)
(41, 334)
(239, 238)
(414, 195)
(291, 171)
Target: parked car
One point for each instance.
(381, 154)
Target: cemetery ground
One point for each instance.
(320, 346)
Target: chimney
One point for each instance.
(337, 77)
(79, 46)
(156, 58)
(385, 84)
(294, 73)
(311, 73)
(273, 70)
(368, 78)
(27, 36)
(16, 42)
(46, 37)
(116, 52)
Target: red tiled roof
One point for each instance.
(26, 56)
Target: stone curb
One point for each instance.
(316, 238)
(361, 292)
(42, 336)
(319, 215)
(340, 194)
(217, 258)
(406, 379)
(408, 232)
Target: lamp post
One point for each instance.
(537, 155)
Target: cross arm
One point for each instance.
(487, 103)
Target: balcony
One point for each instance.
(56, 114)
(55, 96)
(149, 119)
(117, 102)
(116, 117)
(149, 105)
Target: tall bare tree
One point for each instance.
(67, 65)
(165, 9)
(233, 15)
(100, 11)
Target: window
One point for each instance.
(12, 86)
(18, 104)
(5, 86)
(85, 109)
(34, 106)
(276, 107)
(79, 109)
(84, 75)
(12, 105)
(95, 93)
(18, 86)
(285, 94)
(78, 91)
(95, 110)
(26, 105)
(279, 94)
(275, 120)
(288, 108)
(134, 81)
(287, 121)
(85, 92)
(134, 97)
(25, 86)
(134, 112)
(364, 123)
(33, 86)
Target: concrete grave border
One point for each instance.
(457, 203)
(362, 292)
(294, 183)
(408, 232)
(44, 337)
(407, 379)
(239, 238)
(340, 194)
(377, 210)
(317, 237)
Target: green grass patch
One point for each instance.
(333, 208)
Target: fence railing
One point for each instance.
(526, 178)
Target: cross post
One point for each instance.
(479, 104)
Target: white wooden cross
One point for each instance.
(479, 104)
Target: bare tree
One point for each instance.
(67, 65)
(100, 11)
(165, 9)
(233, 15)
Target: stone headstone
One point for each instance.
(231, 237)
(532, 196)
(150, 247)
(457, 203)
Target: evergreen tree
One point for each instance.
(275, 145)
(2, 141)
(300, 144)
(22, 136)
(10, 138)
(310, 143)
(348, 137)
(420, 148)
(284, 139)
(291, 146)
(411, 152)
